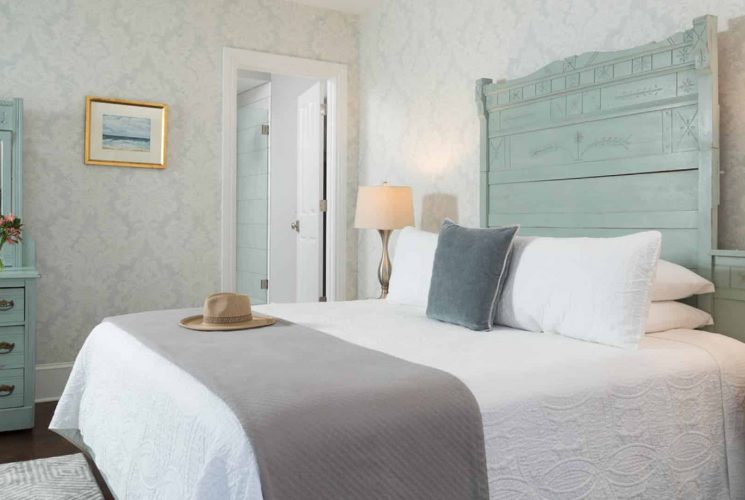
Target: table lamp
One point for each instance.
(384, 208)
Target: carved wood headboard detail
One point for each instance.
(610, 143)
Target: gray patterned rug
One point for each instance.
(58, 478)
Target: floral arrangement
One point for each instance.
(10, 232)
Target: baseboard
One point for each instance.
(50, 381)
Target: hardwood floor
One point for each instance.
(40, 442)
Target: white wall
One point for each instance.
(419, 60)
(283, 199)
(117, 240)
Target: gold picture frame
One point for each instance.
(125, 133)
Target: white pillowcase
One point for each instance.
(412, 267)
(669, 315)
(673, 282)
(594, 289)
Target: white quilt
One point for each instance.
(563, 419)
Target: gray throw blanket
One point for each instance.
(328, 419)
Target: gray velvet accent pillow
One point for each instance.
(468, 273)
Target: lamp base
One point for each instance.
(385, 268)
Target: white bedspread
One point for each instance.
(563, 418)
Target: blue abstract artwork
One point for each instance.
(126, 133)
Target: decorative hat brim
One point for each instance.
(197, 323)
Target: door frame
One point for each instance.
(335, 74)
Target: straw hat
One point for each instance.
(226, 311)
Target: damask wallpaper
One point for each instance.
(419, 60)
(116, 240)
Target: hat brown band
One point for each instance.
(224, 320)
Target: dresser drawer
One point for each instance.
(12, 346)
(11, 388)
(11, 306)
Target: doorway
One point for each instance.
(285, 176)
(281, 190)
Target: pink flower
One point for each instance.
(10, 229)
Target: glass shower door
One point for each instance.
(253, 197)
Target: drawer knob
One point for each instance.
(7, 347)
(6, 390)
(6, 305)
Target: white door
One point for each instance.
(310, 158)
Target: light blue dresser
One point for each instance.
(17, 284)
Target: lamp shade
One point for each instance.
(384, 207)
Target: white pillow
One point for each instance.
(412, 267)
(594, 289)
(673, 282)
(669, 315)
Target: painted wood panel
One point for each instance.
(609, 143)
(603, 168)
(678, 245)
(12, 394)
(640, 220)
(12, 311)
(623, 137)
(7, 114)
(729, 299)
(666, 191)
(12, 352)
(729, 317)
(640, 91)
(686, 48)
(17, 284)
(7, 187)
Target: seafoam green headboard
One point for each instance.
(610, 143)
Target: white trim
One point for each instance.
(50, 381)
(336, 76)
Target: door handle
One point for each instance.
(296, 226)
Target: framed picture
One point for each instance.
(125, 133)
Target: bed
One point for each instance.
(562, 418)
(601, 144)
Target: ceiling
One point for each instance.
(351, 6)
